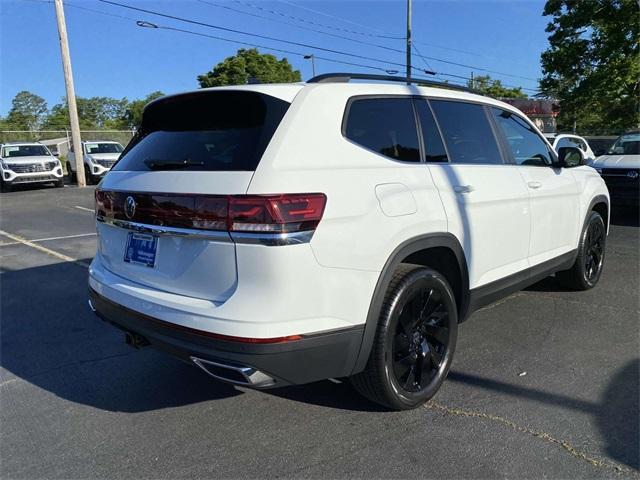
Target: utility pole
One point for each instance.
(408, 42)
(71, 95)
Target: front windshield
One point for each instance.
(92, 148)
(626, 145)
(12, 151)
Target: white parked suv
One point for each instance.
(284, 234)
(620, 169)
(99, 157)
(560, 140)
(28, 163)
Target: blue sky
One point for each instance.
(113, 57)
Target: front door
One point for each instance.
(553, 191)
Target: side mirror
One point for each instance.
(569, 157)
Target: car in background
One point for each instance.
(559, 140)
(28, 162)
(99, 157)
(620, 169)
(600, 144)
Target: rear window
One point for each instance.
(204, 131)
(386, 126)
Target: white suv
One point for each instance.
(28, 163)
(620, 169)
(99, 157)
(283, 234)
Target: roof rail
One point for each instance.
(346, 77)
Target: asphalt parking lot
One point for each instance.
(545, 383)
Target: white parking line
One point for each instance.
(36, 240)
(48, 251)
(64, 237)
(85, 209)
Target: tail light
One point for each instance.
(282, 213)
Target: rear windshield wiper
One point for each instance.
(154, 164)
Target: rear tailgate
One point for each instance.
(156, 209)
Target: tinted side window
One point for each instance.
(386, 126)
(467, 132)
(433, 146)
(526, 146)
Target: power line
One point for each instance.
(386, 35)
(331, 60)
(289, 52)
(340, 19)
(342, 37)
(152, 25)
(299, 44)
(265, 37)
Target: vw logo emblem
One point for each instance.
(632, 175)
(129, 207)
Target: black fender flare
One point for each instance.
(405, 249)
(594, 201)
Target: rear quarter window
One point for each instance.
(204, 131)
(384, 125)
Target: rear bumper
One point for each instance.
(313, 357)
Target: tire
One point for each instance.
(586, 271)
(418, 323)
(4, 186)
(59, 183)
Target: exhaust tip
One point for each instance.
(235, 374)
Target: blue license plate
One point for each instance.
(141, 249)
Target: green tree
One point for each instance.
(592, 65)
(133, 113)
(247, 64)
(494, 88)
(94, 112)
(27, 111)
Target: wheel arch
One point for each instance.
(441, 251)
(600, 204)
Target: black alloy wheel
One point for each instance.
(594, 251)
(420, 341)
(587, 268)
(415, 340)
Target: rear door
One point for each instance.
(160, 207)
(486, 201)
(555, 207)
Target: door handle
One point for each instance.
(534, 185)
(463, 189)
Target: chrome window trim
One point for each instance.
(268, 239)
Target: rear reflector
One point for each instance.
(281, 213)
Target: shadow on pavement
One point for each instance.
(617, 415)
(49, 338)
